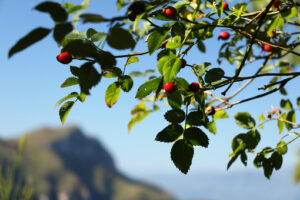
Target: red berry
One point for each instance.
(194, 87)
(225, 6)
(64, 58)
(277, 3)
(169, 87)
(170, 11)
(224, 35)
(183, 63)
(267, 48)
(131, 16)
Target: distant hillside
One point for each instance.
(64, 164)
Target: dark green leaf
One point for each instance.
(148, 87)
(57, 12)
(244, 120)
(174, 99)
(119, 38)
(268, 168)
(98, 37)
(175, 116)
(196, 118)
(64, 110)
(213, 75)
(69, 82)
(196, 137)
(105, 59)
(182, 155)
(90, 32)
(156, 38)
(298, 102)
(276, 160)
(80, 48)
(286, 104)
(201, 46)
(178, 29)
(31, 38)
(169, 134)
(61, 30)
(258, 160)
(112, 94)
(291, 116)
(239, 143)
(282, 148)
(88, 77)
(126, 83)
(92, 18)
(231, 161)
(244, 158)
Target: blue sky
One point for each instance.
(30, 80)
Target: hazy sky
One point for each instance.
(30, 80)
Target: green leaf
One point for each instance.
(182, 155)
(244, 158)
(286, 104)
(178, 29)
(75, 35)
(126, 83)
(196, 118)
(196, 137)
(57, 12)
(171, 68)
(266, 69)
(61, 30)
(119, 38)
(268, 168)
(81, 48)
(136, 74)
(276, 160)
(148, 87)
(281, 148)
(31, 38)
(92, 18)
(201, 46)
(112, 94)
(69, 82)
(298, 102)
(231, 161)
(169, 134)
(202, 68)
(105, 59)
(291, 116)
(174, 99)
(90, 32)
(132, 59)
(211, 126)
(280, 124)
(98, 37)
(244, 120)
(213, 75)
(88, 77)
(120, 4)
(141, 107)
(156, 38)
(220, 114)
(163, 60)
(175, 116)
(292, 13)
(69, 96)
(238, 143)
(137, 118)
(112, 72)
(64, 110)
(278, 22)
(258, 160)
(220, 8)
(181, 84)
(252, 140)
(174, 43)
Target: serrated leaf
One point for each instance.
(69, 82)
(196, 137)
(220, 114)
(57, 12)
(148, 87)
(175, 116)
(132, 59)
(92, 18)
(69, 96)
(29, 39)
(211, 126)
(174, 99)
(286, 104)
(169, 134)
(281, 148)
(88, 77)
(61, 30)
(112, 94)
(126, 83)
(196, 118)
(171, 68)
(64, 110)
(182, 155)
(156, 38)
(244, 120)
(213, 75)
(119, 38)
